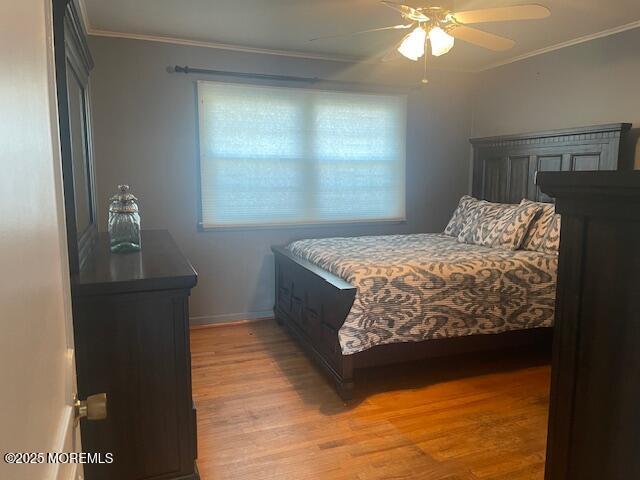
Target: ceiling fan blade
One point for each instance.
(393, 27)
(391, 55)
(502, 14)
(394, 54)
(482, 39)
(406, 11)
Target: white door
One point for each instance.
(37, 380)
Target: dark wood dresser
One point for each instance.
(131, 323)
(594, 418)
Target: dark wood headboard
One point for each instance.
(504, 168)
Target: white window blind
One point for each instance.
(274, 155)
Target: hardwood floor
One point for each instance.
(265, 412)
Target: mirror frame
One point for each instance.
(72, 53)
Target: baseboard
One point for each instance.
(229, 317)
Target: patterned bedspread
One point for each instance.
(423, 286)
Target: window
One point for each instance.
(273, 155)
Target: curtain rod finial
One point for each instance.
(178, 69)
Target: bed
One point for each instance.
(426, 286)
(366, 301)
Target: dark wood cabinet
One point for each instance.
(594, 419)
(131, 324)
(505, 167)
(130, 311)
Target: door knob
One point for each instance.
(93, 408)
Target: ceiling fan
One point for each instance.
(440, 27)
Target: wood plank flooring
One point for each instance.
(265, 412)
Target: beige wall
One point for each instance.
(36, 370)
(146, 131)
(591, 83)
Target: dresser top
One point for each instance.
(606, 194)
(159, 265)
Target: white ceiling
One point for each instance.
(286, 25)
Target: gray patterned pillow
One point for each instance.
(544, 232)
(462, 214)
(498, 224)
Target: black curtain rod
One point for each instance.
(255, 76)
(281, 78)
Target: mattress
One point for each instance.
(425, 286)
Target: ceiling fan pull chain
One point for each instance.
(425, 80)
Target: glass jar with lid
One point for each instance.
(124, 222)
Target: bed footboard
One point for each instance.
(313, 304)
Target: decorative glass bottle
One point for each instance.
(124, 222)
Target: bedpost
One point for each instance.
(345, 385)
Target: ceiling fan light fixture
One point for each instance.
(412, 46)
(441, 41)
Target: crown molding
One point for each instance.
(336, 58)
(220, 46)
(265, 51)
(558, 46)
(226, 46)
